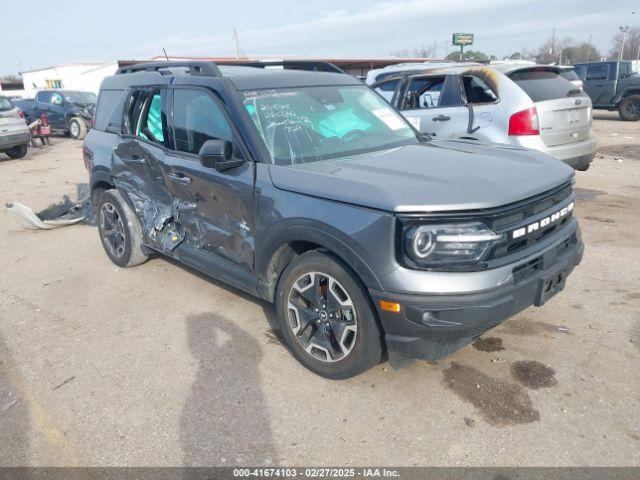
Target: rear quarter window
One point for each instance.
(542, 85)
(109, 109)
(569, 75)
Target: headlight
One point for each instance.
(434, 245)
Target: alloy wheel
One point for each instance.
(633, 108)
(75, 129)
(112, 229)
(322, 317)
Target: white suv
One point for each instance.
(524, 105)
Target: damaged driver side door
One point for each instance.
(219, 220)
(138, 168)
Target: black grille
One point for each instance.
(524, 214)
(514, 245)
(519, 212)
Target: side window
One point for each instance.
(424, 93)
(387, 89)
(477, 91)
(145, 117)
(625, 70)
(44, 97)
(56, 99)
(198, 117)
(109, 109)
(597, 72)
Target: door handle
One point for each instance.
(133, 159)
(180, 178)
(441, 118)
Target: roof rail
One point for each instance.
(312, 65)
(207, 69)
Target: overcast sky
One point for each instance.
(42, 33)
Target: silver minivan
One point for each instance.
(524, 105)
(14, 134)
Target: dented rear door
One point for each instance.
(218, 206)
(138, 168)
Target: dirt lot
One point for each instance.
(165, 367)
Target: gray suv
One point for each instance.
(308, 190)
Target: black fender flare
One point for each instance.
(633, 90)
(326, 237)
(100, 174)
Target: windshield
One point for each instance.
(301, 125)
(80, 97)
(5, 104)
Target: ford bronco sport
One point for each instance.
(309, 190)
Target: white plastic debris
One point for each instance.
(31, 220)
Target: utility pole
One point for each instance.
(553, 41)
(623, 32)
(588, 49)
(236, 43)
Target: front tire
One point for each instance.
(120, 231)
(77, 128)
(19, 151)
(326, 317)
(629, 108)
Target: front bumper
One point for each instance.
(429, 327)
(11, 140)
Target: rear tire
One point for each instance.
(77, 128)
(19, 151)
(326, 317)
(629, 108)
(119, 229)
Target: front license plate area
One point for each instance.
(549, 285)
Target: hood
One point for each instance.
(435, 176)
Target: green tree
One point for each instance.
(474, 55)
(582, 52)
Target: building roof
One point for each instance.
(341, 62)
(65, 65)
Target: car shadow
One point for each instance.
(267, 307)
(225, 420)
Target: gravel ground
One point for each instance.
(157, 365)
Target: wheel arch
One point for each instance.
(626, 93)
(291, 241)
(100, 181)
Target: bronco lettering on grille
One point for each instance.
(542, 223)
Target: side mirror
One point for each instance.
(113, 128)
(217, 154)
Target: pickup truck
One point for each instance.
(67, 111)
(612, 85)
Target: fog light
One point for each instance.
(427, 317)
